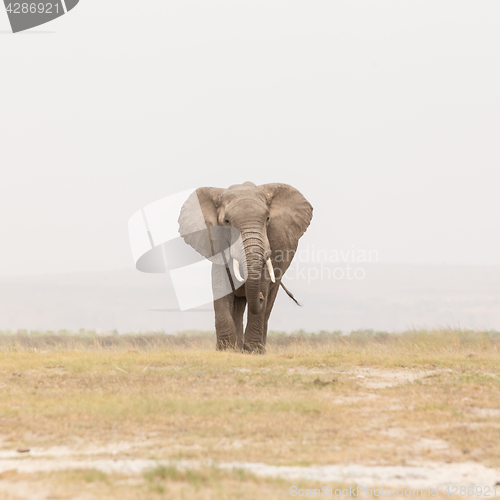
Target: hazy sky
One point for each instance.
(386, 115)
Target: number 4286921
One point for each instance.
(33, 8)
(480, 491)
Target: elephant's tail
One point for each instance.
(289, 293)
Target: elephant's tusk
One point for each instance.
(271, 270)
(236, 269)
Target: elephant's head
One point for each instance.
(270, 218)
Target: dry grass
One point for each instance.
(313, 399)
(205, 340)
(207, 483)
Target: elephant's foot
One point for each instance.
(254, 348)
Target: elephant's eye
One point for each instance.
(268, 219)
(226, 221)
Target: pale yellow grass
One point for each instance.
(365, 398)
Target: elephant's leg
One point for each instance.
(224, 308)
(253, 332)
(239, 309)
(273, 292)
(254, 340)
(225, 326)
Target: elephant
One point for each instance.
(250, 233)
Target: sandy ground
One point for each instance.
(131, 459)
(423, 475)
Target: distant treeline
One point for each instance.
(193, 339)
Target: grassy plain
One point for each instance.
(367, 398)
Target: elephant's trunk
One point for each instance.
(254, 252)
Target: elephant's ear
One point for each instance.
(289, 216)
(198, 215)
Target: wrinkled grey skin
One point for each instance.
(271, 218)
